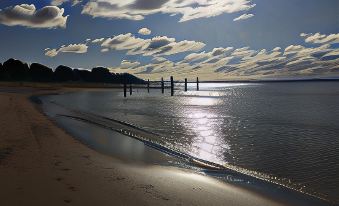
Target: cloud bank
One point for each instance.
(244, 63)
(188, 9)
(157, 46)
(29, 16)
(318, 38)
(218, 63)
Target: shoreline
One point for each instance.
(193, 164)
(149, 183)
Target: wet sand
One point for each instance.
(40, 164)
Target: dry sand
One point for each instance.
(40, 164)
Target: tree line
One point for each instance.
(16, 70)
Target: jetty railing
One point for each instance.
(160, 85)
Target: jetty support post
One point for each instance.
(185, 84)
(130, 89)
(197, 83)
(148, 85)
(125, 89)
(172, 86)
(162, 85)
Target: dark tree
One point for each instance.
(128, 78)
(40, 73)
(63, 74)
(15, 70)
(82, 75)
(1, 72)
(101, 74)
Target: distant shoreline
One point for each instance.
(110, 85)
(271, 81)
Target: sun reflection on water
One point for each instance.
(202, 101)
(204, 123)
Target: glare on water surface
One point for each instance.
(204, 123)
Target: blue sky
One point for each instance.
(271, 39)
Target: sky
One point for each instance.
(209, 39)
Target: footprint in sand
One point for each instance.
(72, 188)
(5, 152)
(149, 189)
(86, 156)
(108, 168)
(67, 200)
(57, 163)
(111, 178)
(59, 179)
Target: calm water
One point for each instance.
(282, 132)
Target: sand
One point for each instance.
(40, 164)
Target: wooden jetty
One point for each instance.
(161, 85)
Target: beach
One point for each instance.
(170, 102)
(40, 164)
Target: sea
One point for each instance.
(283, 132)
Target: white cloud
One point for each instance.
(51, 52)
(301, 51)
(72, 48)
(276, 49)
(303, 60)
(292, 49)
(303, 34)
(156, 46)
(197, 57)
(98, 40)
(145, 31)
(104, 50)
(27, 15)
(125, 64)
(220, 51)
(332, 54)
(125, 42)
(158, 59)
(60, 2)
(242, 52)
(318, 38)
(208, 56)
(243, 17)
(188, 9)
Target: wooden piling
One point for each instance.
(172, 86)
(162, 85)
(185, 84)
(125, 89)
(148, 85)
(197, 83)
(130, 89)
